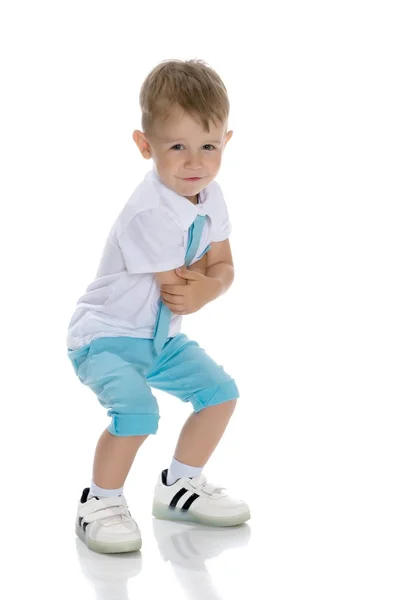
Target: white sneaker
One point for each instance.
(105, 525)
(193, 499)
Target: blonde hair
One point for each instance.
(191, 84)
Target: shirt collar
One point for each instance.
(185, 210)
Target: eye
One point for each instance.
(176, 147)
(207, 146)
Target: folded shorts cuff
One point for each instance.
(223, 392)
(132, 424)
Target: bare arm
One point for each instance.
(200, 288)
(220, 264)
(224, 273)
(171, 278)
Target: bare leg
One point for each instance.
(202, 432)
(113, 459)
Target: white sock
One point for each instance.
(178, 470)
(95, 490)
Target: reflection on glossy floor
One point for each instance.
(187, 548)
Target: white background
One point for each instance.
(309, 329)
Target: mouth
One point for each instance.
(192, 178)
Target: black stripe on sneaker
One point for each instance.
(190, 501)
(85, 495)
(80, 521)
(177, 497)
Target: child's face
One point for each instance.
(182, 149)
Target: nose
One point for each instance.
(193, 161)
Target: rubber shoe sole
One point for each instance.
(107, 547)
(166, 513)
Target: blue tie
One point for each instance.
(164, 314)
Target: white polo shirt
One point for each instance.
(149, 236)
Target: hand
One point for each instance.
(189, 298)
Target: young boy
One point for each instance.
(125, 333)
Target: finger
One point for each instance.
(186, 274)
(176, 309)
(180, 272)
(176, 290)
(173, 299)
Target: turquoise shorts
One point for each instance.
(120, 371)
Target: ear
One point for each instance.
(142, 143)
(228, 136)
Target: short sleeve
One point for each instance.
(151, 242)
(221, 227)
